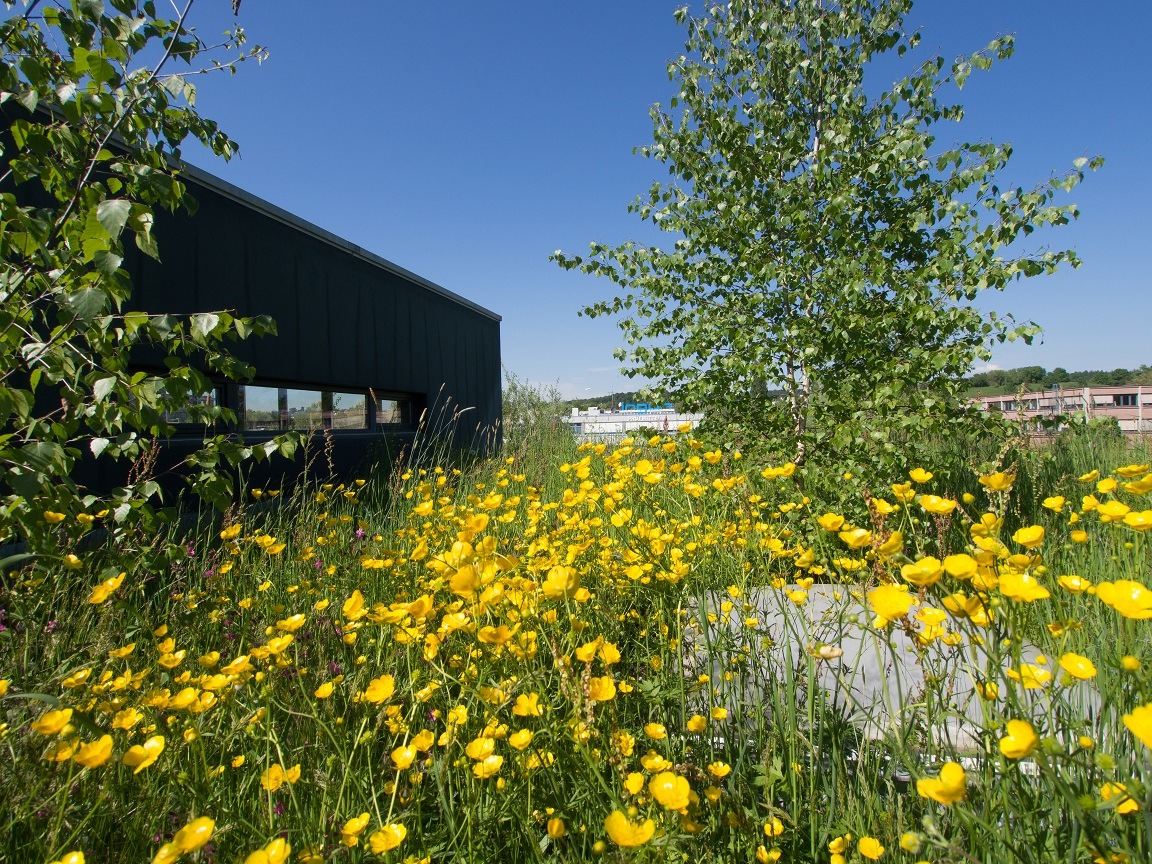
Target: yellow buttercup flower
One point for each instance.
(194, 835)
(126, 719)
(487, 767)
(276, 776)
(627, 834)
(1033, 677)
(51, 722)
(1130, 471)
(528, 705)
(1029, 537)
(948, 787)
(380, 689)
(870, 848)
(1073, 584)
(353, 828)
(1139, 520)
(1022, 587)
(856, 538)
(890, 602)
(1139, 723)
(891, 546)
(458, 716)
(561, 583)
(961, 566)
(292, 624)
(404, 756)
(839, 845)
(1130, 599)
(94, 753)
(276, 852)
(140, 756)
(669, 790)
(903, 492)
(656, 731)
(104, 590)
(602, 689)
(719, 770)
(922, 573)
(830, 521)
(1020, 741)
(76, 679)
(998, 482)
(654, 763)
(919, 475)
(1078, 666)
(388, 837)
(1116, 795)
(936, 505)
(1113, 511)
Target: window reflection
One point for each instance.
(275, 409)
(302, 410)
(391, 412)
(349, 411)
(261, 412)
(190, 411)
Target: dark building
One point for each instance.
(364, 349)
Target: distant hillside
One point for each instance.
(997, 382)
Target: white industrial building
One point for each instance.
(628, 419)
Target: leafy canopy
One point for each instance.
(816, 297)
(95, 117)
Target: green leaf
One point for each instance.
(146, 243)
(107, 262)
(203, 324)
(113, 213)
(87, 303)
(29, 98)
(103, 387)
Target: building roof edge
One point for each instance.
(223, 187)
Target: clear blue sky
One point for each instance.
(468, 140)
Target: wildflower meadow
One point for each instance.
(642, 651)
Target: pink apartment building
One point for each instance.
(1130, 404)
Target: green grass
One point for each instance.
(476, 584)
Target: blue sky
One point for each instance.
(466, 141)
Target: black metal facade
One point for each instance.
(347, 320)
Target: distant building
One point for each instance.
(594, 424)
(1130, 405)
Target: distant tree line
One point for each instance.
(607, 403)
(1006, 380)
(1037, 377)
